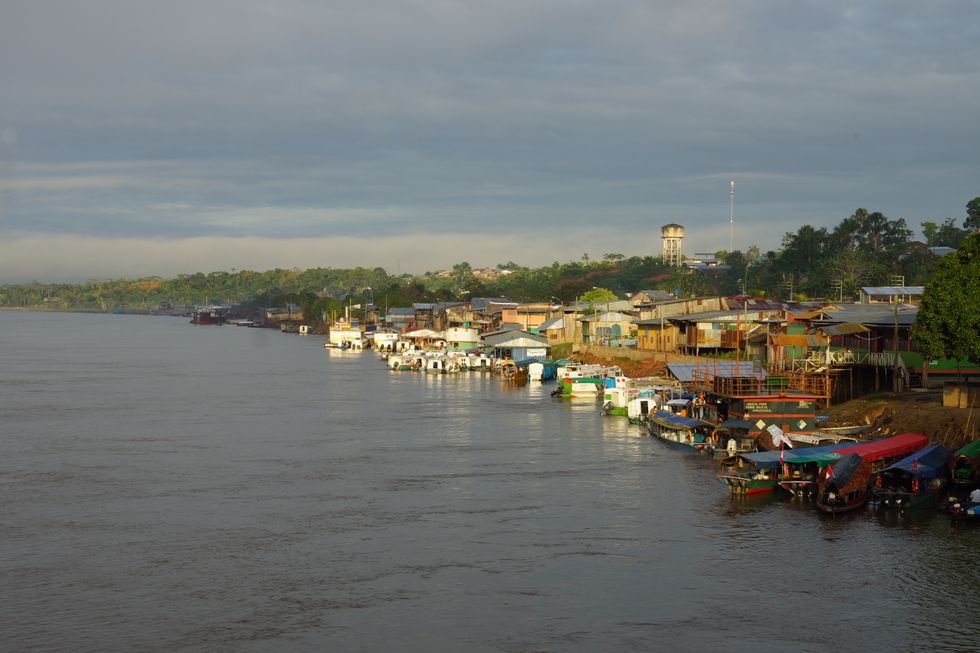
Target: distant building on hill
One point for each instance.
(672, 235)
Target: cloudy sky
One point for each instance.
(152, 138)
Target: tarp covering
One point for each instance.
(924, 464)
(965, 463)
(848, 474)
(971, 450)
(898, 445)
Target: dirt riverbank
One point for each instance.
(883, 414)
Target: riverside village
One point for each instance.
(829, 402)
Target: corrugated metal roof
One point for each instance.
(845, 329)
(717, 316)
(893, 290)
(553, 323)
(608, 317)
(507, 327)
(868, 314)
(515, 339)
(684, 372)
(799, 340)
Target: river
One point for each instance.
(171, 487)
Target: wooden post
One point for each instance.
(896, 379)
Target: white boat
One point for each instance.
(639, 409)
(384, 341)
(344, 335)
(479, 362)
(535, 371)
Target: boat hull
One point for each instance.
(847, 505)
(746, 485)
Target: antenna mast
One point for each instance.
(731, 217)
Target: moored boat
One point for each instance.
(844, 485)
(762, 472)
(915, 480)
(581, 386)
(964, 467)
(639, 409)
(212, 314)
(965, 512)
(615, 400)
(684, 432)
(345, 335)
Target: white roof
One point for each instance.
(423, 333)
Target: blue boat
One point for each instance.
(684, 432)
(913, 480)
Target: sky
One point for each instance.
(156, 138)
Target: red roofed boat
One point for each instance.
(845, 484)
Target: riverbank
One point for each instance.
(911, 412)
(883, 414)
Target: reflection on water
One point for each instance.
(168, 486)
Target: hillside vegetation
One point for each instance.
(866, 248)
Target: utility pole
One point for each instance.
(896, 381)
(838, 285)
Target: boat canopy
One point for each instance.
(848, 474)
(925, 464)
(896, 445)
(524, 362)
(971, 450)
(823, 456)
(677, 421)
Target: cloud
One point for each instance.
(292, 120)
(75, 258)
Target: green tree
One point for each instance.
(948, 323)
(945, 235)
(919, 265)
(972, 221)
(598, 296)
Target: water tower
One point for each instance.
(672, 235)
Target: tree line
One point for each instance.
(865, 248)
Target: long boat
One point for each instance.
(685, 432)
(844, 485)
(913, 480)
(799, 470)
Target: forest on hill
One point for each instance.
(865, 248)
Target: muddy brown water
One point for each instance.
(170, 487)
